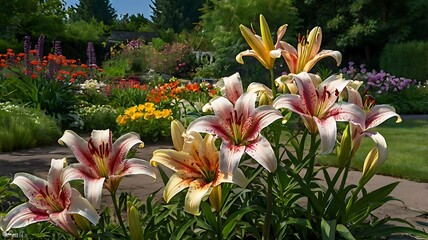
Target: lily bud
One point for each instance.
(215, 198)
(265, 99)
(370, 165)
(344, 152)
(82, 222)
(134, 222)
(177, 130)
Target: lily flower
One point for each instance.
(307, 53)
(49, 201)
(195, 161)
(239, 126)
(102, 163)
(318, 108)
(374, 115)
(261, 46)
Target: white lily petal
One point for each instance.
(230, 156)
(81, 206)
(21, 216)
(327, 129)
(380, 113)
(261, 150)
(93, 189)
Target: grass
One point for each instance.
(407, 150)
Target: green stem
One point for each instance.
(312, 151)
(118, 214)
(272, 80)
(352, 199)
(219, 226)
(269, 203)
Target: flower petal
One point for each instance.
(198, 191)
(327, 130)
(34, 189)
(137, 166)
(323, 54)
(79, 147)
(174, 160)
(93, 189)
(177, 183)
(64, 221)
(54, 175)
(307, 91)
(81, 206)
(354, 97)
(380, 113)
(261, 150)
(344, 112)
(382, 151)
(230, 156)
(177, 130)
(291, 102)
(233, 87)
(238, 177)
(120, 149)
(21, 216)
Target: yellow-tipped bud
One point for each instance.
(177, 130)
(215, 198)
(265, 99)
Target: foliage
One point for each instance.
(100, 10)
(355, 27)
(23, 127)
(136, 23)
(178, 15)
(416, 59)
(95, 117)
(174, 59)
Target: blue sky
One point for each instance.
(126, 6)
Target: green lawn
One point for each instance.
(407, 150)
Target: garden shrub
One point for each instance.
(408, 59)
(96, 117)
(23, 127)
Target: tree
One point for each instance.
(176, 14)
(360, 29)
(100, 10)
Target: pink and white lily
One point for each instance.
(307, 53)
(318, 108)
(102, 163)
(49, 201)
(374, 116)
(195, 161)
(238, 125)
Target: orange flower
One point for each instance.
(33, 76)
(84, 65)
(34, 62)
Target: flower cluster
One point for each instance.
(377, 83)
(146, 111)
(92, 84)
(147, 119)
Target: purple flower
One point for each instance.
(40, 47)
(27, 47)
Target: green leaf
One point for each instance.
(344, 232)
(234, 218)
(328, 229)
(179, 234)
(206, 210)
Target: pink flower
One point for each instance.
(238, 123)
(102, 163)
(318, 108)
(52, 200)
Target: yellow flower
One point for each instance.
(136, 116)
(261, 46)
